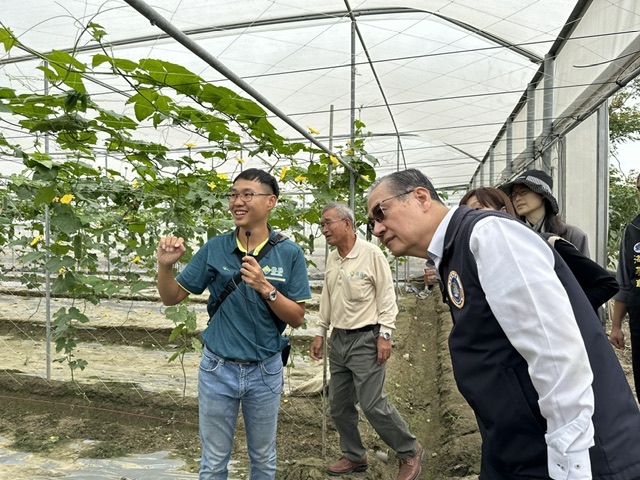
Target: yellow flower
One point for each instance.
(349, 152)
(136, 259)
(366, 177)
(334, 160)
(35, 241)
(211, 185)
(300, 178)
(222, 176)
(135, 184)
(66, 198)
(56, 199)
(240, 159)
(189, 145)
(283, 172)
(313, 130)
(62, 271)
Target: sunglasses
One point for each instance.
(377, 212)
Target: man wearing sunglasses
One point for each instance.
(358, 300)
(528, 351)
(627, 300)
(241, 361)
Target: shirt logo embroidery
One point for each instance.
(273, 271)
(636, 247)
(455, 289)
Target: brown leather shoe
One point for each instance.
(344, 466)
(411, 467)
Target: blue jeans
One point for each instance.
(222, 387)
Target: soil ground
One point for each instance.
(88, 418)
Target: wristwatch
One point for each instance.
(385, 335)
(273, 294)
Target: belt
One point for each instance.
(366, 328)
(234, 360)
(241, 362)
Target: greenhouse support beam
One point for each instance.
(602, 185)
(492, 163)
(547, 111)
(531, 118)
(376, 77)
(158, 20)
(352, 182)
(509, 142)
(47, 241)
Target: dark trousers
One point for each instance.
(356, 378)
(635, 358)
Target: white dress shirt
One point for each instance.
(515, 269)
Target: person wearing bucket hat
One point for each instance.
(532, 197)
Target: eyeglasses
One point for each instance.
(377, 212)
(328, 223)
(519, 193)
(246, 197)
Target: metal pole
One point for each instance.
(47, 242)
(325, 346)
(602, 185)
(352, 184)
(106, 235)
(510, 145)
(492, 159)
(531, 126)
(547, 112)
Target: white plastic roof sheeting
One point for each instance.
(452, 71)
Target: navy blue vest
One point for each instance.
(493, 376)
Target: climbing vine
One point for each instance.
(104, 221)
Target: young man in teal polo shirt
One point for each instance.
(241, 362)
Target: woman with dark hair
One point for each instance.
(537, 207)
(598, 285)
(488, 197)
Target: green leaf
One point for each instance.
(7, 39)
(45, 195)
(66, 221)
(119, 63)
(137, 227)
(74, 80)
(7, 93)
(172, 75)
(143, 103)
(96, 30)
(61, 58)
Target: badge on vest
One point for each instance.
(636, 247)
(455, 290)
